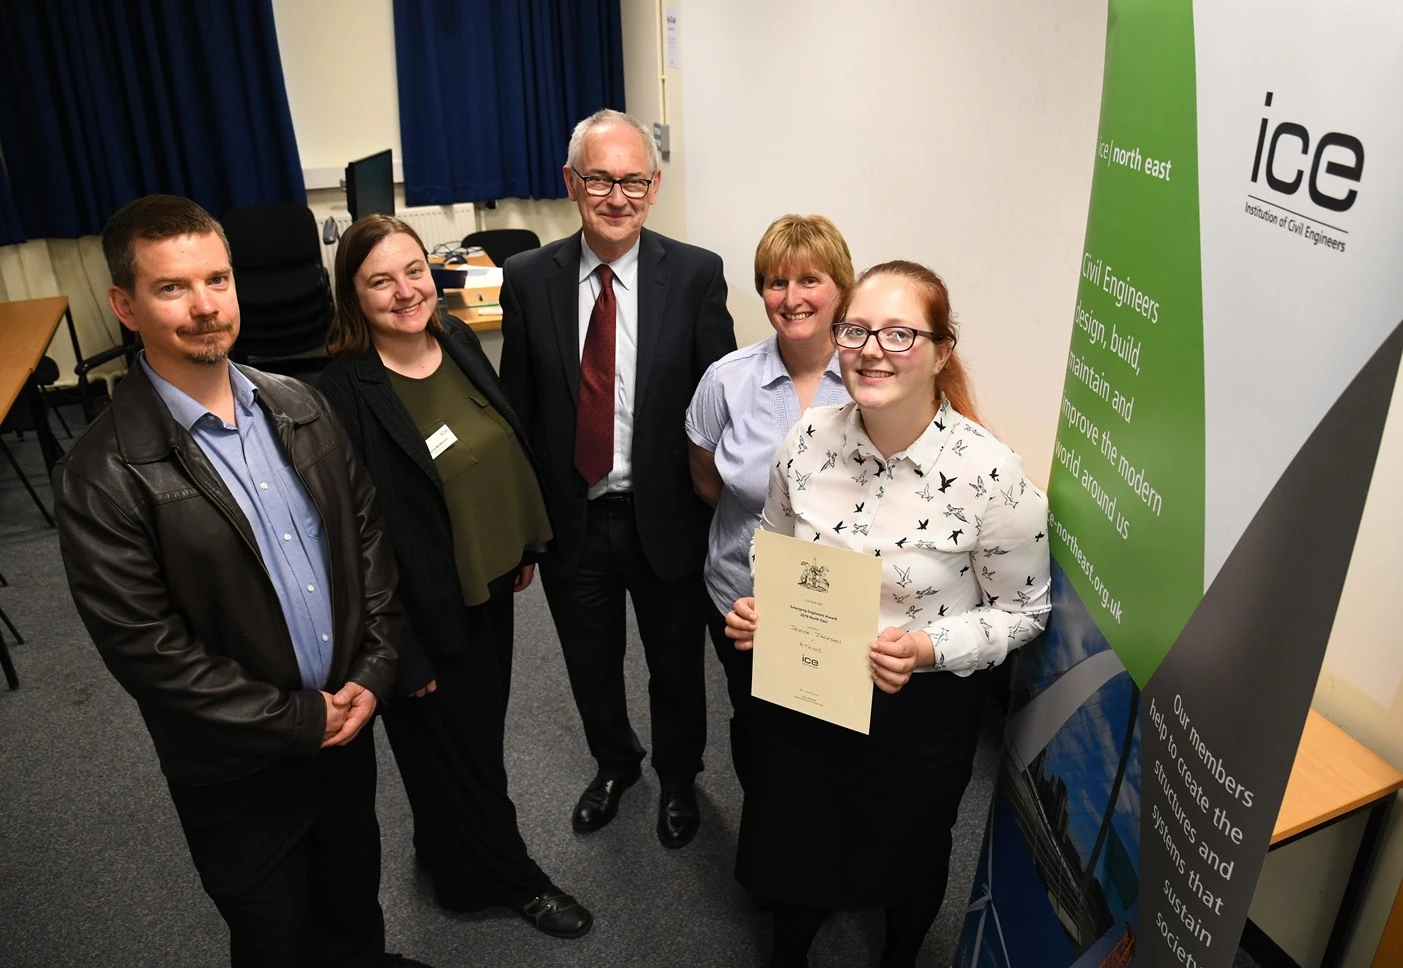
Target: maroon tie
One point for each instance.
(594, 421)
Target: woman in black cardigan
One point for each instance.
(463, 507)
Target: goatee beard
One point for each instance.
(211, 355)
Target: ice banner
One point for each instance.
(1235, 347)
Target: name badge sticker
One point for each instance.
(440, 440)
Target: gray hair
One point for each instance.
(606, 117)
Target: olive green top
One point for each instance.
(494, 501)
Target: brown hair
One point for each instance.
(801, 242)
(952, 380)
(349, 333)
(154, 217)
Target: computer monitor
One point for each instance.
(370, 186)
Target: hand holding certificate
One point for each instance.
(818, 607)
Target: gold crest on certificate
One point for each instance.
(817, 611)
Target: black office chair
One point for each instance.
(501, 244)
(284, 292)
(45, 376)
(21, 419)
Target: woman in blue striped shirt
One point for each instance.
(746, 404)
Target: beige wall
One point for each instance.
(339, 68)
(954, 134)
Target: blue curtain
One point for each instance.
(489, 91)
(103, 102)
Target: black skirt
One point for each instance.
(837, 820)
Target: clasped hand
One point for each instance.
(346, 712)
(893, 653)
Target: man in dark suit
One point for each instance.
(226, 554)
(605, 335)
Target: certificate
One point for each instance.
(816, 613)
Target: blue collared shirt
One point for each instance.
(744, 407)
(285, 521)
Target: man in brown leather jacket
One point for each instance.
(225, 552)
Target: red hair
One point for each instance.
(952, 380)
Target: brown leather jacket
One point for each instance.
(167, 577)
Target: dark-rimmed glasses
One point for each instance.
(893, 339)
(601, 185)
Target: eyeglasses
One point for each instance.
(893, 339)
(600, 185)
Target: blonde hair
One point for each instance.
(803, 242)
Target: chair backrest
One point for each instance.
(284, 293)
(272, 236)
(501, 244)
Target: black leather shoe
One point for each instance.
(558, 915)
(600, 801)
(678, 816)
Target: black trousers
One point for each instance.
(290, 855)
(587, 605)
(739, 668)
(448, 745)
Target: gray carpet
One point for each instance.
(94, 870)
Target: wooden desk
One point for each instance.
(27, 327)
(478, 322)
(469, 314)
(475, 257)
(1335, 777)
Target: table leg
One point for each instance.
(1354, 888)
(7, 665)
(48, 443)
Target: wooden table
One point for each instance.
(27, 326)
(476, 320)
(475, 257)
(472, 314)
(1335, 777)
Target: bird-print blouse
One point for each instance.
(961, 531)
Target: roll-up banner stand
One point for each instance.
(1235, 349)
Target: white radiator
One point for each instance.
(436, 225)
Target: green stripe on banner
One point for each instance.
(1127, 484)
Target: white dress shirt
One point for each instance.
(625, 268)
(961, 532)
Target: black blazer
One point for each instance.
(683, 326)
(410, 491)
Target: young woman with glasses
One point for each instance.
(833, 819)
